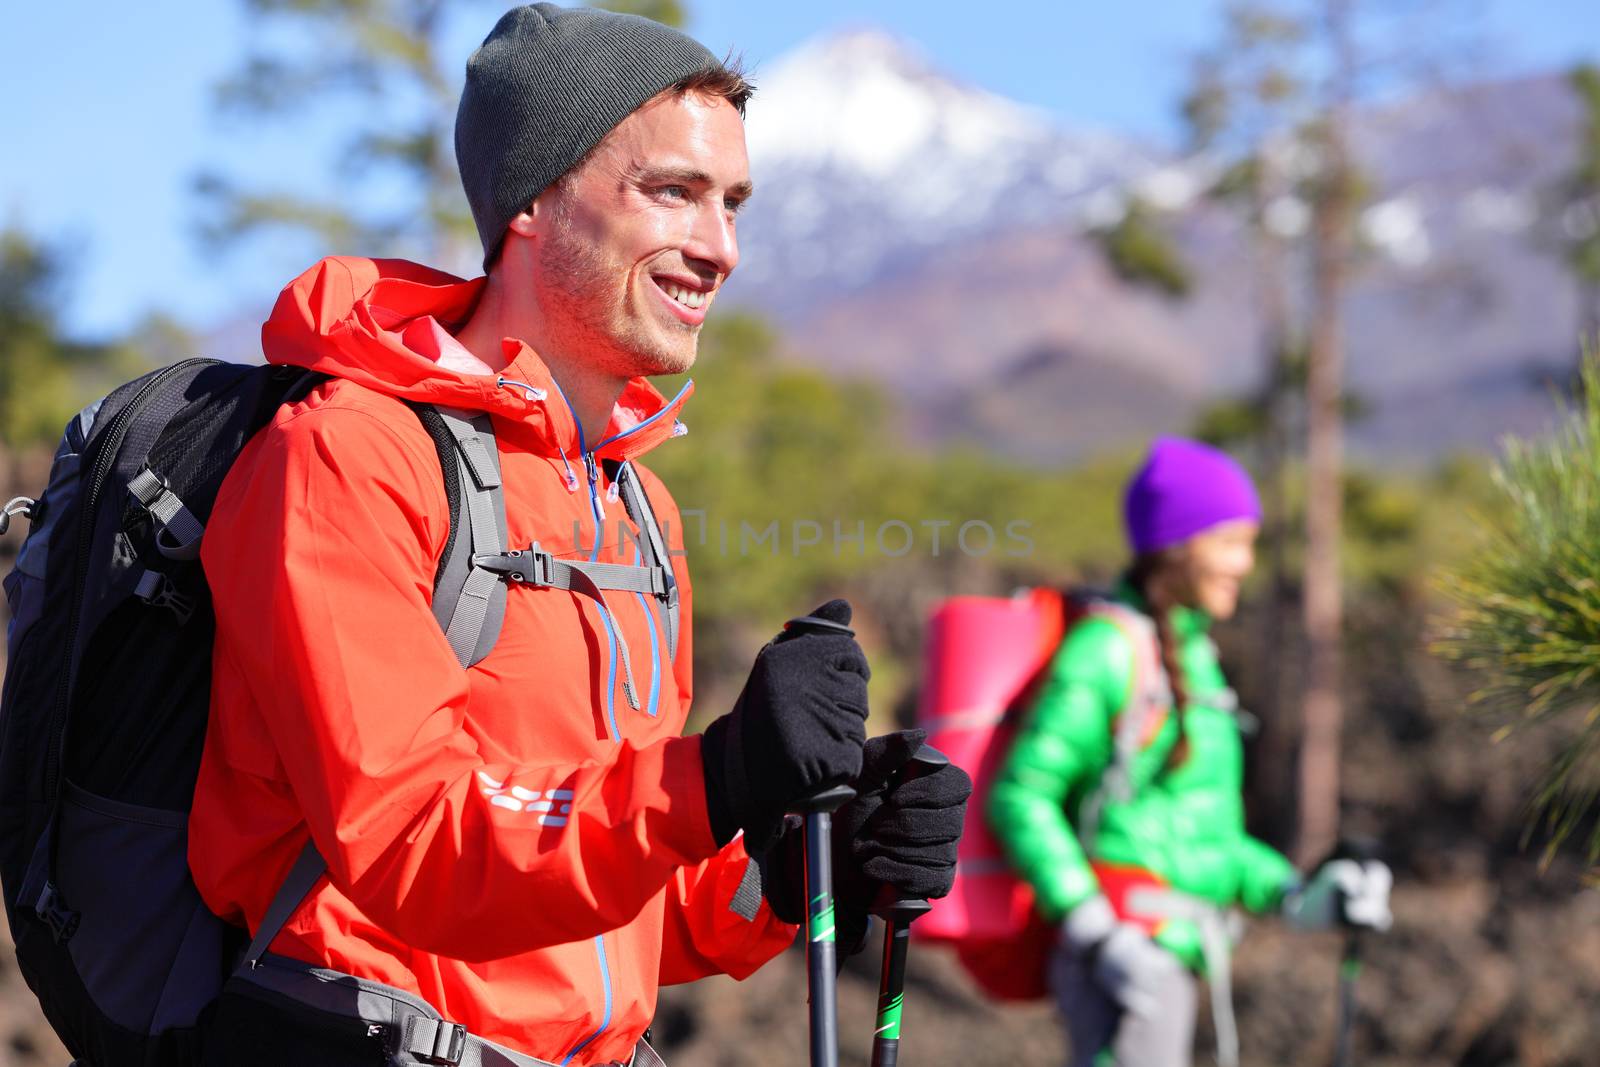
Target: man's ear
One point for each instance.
(525, 223)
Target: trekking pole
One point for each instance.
(1349, 971)
(897, 914)
(821, 953)
(1360, 850)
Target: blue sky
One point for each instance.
(107, 109)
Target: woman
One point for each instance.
(1120, 802)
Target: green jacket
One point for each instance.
(1185, 825)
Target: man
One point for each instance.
(525, 848)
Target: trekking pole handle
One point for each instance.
(813, 622)
(832, 798)
(898, 913)
(826, 802)
(890, 906)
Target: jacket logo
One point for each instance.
(550, 807)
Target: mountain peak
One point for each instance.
(864, 46)
(867, 102)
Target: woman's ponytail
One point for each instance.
(1152, 576)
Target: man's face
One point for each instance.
(637, 241)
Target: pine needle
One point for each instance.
(1528, 608)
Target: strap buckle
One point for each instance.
(53, 911)
(530, 565)
(160, 591)
(436, 1041)
(178, 532)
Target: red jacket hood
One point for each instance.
(368, 321)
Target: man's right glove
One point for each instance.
(1349, 891)
(797, 728)
(896, 832)
(1122, 959)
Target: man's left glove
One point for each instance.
(896, 832)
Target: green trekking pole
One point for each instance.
(821, 951)
(897, 914)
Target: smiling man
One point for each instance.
(444, 783)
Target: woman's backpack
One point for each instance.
(984, 661)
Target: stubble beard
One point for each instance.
(591, 318)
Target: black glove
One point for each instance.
(797, 728)
(898, 832)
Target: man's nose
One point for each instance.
(712, 239)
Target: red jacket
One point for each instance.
(339, 709)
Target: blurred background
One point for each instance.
(994, 251)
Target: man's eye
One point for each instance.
(733, 206)
(675, 192)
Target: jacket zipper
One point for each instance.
(605, 1019)
(594, 503)
(644, 603)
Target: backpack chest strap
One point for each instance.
(534, 566)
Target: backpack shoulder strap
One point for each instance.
(1149, 691)
(1149, 698)
(469, 601)
(308, 869)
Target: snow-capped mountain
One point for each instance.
(864, 155)
(932, 235)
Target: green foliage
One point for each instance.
(36, 388)
(1232, 422)
(385, 57)
(1528, 605)
(1142, 253)
(1578, 197)
(670, 12)
(1249, 83)
(44, 377)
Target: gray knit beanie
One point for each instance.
(546, 85)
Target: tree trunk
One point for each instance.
(1276, 340)
(1323, 708)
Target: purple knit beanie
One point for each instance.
(1184, 488)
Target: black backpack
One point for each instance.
(107, 692)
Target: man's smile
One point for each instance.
(688, 298)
